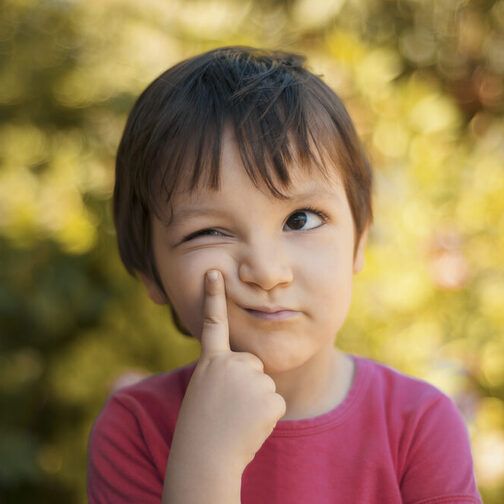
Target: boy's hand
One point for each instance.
(230, 406)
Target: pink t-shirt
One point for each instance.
(394, 439)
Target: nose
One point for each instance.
(265, 265)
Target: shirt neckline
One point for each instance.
(308, 426)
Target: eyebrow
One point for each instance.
(210, 211)
(196, 212)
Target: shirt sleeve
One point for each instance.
(439, 467)
(120, 469)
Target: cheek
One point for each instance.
(329, 263)
(184, 283)
(329, 308)
(329, 274)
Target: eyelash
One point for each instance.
(205, 232)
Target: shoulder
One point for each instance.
(154, 400)
(398, 393)
(146, 410)
(148, 400)
(130, 439)
(425, 431)
(414, 413)
(168, 388)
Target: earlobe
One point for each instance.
(359, 256)
(154, 293)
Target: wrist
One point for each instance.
(201, 479)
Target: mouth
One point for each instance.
(282, 314)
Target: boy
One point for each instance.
(243, 200)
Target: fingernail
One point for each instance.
(212, 275)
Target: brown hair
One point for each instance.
(280, 113)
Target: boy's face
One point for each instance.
(271, 252)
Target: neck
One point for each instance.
(317, 386)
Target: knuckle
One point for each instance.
(280, 404)
(255, 360)
(251, 359)
(270, 382)
(275, 406)
(211, 320)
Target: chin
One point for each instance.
(282, 363)
(279, 352)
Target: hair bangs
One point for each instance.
(275, 128)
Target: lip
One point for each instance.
(267, 309)
(273, 313)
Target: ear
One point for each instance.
(153, 290)
(359, 255)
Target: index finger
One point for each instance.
(215, 331)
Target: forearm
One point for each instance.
(189, 481)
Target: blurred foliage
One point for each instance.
(424, 83)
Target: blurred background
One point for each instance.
(424, 83)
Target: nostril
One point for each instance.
(266, 274)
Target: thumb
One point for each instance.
(215, 331)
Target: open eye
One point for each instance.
(301, 217)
